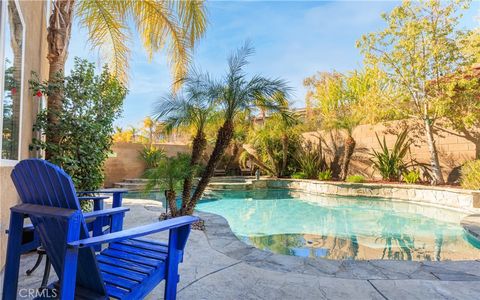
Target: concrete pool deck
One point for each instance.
(219, 266)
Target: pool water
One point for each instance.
(292, 223)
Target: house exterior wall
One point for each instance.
(34, 15)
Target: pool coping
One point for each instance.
(454, 198)
(222, 239)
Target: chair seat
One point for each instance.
(127, 264)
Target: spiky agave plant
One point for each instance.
(311, 159)
(390, 163)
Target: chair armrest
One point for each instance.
(135, 232)
(105, 191)
(105, 212)
(95, 198)
(42, 210)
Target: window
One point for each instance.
(12, 33)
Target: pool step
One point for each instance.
(217, 183)
(131, 186)
(236, 186)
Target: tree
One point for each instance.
(342, 103)
(461, 106)
(416, 50)
(149, 127)
(191, 108)
(175, 25)
(85, 125)
(236, 93)
(133, 132)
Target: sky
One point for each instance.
(292, 40)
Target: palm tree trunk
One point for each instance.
(58, 37)
(283, 169)
(347, 155)
(150, 138)
(233, 167)
(198, 146)
(434, 161)
(258, 162)
(171, 197)
(224, 136)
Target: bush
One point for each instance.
(151, 156)
(299, 175)
(355, 178)
(168, 176)
(390, 163)
(325, 175)
(412, 176)
(91, 103)
(470, 175)
(311, 160)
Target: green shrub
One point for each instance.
(390, 162)
(168, 176)
(91, 103)
(325, 175)
(412, 176)
(470, 175)
(151, 156)
(355, 178)
(299, 175)
(310, 159)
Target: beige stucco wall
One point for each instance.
(35, 60)
(453, 150)
(125, 164)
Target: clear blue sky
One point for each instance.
(292, 40)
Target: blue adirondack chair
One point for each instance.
(128, 268)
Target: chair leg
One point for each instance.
(46, 274)
(37, 263)
(172, 266)
(12, 266)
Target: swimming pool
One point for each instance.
(360, 228)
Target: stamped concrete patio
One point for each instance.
(219, 266)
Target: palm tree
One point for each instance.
(148, 127)
(343, 104)
(188, 109)
(168, 175)
(134, 132)
(234, 94)
(174, 25)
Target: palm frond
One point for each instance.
(189, 107)
(173, 26)
(160, 28)
(107, 32)
(192, 16)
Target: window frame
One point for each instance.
(3, 24)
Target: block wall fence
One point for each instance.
(453, 149)
(125, 162)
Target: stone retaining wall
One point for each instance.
(466, 200)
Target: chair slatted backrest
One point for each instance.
(42, 183)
